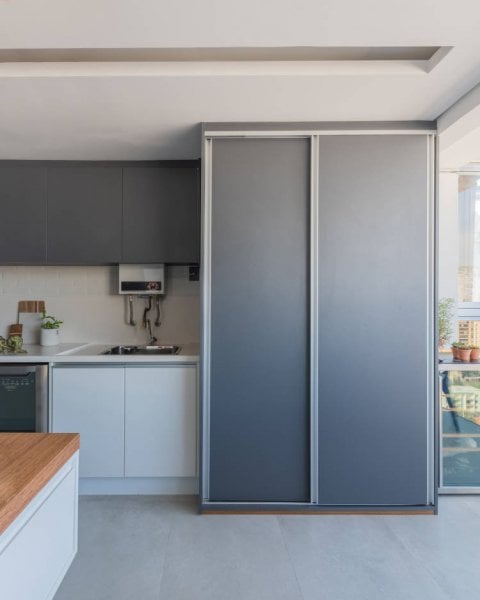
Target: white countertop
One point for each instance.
(92, 353)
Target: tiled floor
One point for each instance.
(147, 547)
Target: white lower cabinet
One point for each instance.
(160, 421)
(134, 422)
(90, 401)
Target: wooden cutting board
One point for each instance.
(30, 316)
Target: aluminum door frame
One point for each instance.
(315, 135)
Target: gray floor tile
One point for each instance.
(448, 546)
(122, 543)
(215, 557)
(472, 502)
(355, 558)
(152, 548)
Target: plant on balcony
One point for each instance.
(463, 351)
(446, 308)
(475, 353)
(455, 348)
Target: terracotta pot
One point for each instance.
(464, 354)
(455, 353)
(475, 354)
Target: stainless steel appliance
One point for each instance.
(23, 397)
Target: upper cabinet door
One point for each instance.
(161, 221)
(23, 210)
(84, 215)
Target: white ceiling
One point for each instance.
(108, 114)
(464, 151)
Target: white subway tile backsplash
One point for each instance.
(85, 299)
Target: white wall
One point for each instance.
(85, 299)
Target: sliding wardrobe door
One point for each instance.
(375, 320)
(259, 374)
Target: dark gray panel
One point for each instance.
(373, 320)
(161, 215)
(259, 407)
(84, 215)
(23, 205)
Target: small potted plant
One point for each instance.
(475, 353)
(464, 352)
(455, 348)
(49, 330)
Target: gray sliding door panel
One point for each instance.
(23, 222)
(84, 214)
(259, 377)
(373, 319)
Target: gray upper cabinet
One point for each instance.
(99, 213)
(84, 214)
(161, 221)
(23, 205)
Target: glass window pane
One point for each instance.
(460, 403)
(469, 238)
(469, 332)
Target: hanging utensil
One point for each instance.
(146, 321)
(147, 309)
(158, 320)
(131, 320)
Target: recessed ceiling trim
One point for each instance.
(148, 62)
(220, 54)
(206, 69)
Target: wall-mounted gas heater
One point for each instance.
(144, 280)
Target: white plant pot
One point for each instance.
(49, 337)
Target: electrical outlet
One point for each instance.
(193, 273)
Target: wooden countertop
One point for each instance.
(27, 462)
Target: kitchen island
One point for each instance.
(38, 512)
